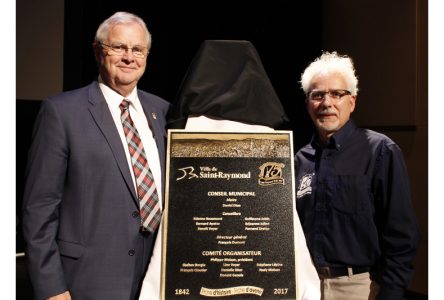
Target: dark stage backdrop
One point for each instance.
(286, 35)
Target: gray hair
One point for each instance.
(120, 18)
(331, 63)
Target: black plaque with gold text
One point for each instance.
(229, 216)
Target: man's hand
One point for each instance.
(65, 296)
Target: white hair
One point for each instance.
(120, 17)
(331, 63)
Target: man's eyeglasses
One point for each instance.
(120, 49)
(334, 94)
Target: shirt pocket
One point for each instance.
(349, 194)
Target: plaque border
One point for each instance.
(166, 197)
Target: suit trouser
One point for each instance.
(353, 287)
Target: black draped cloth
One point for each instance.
(226, 80)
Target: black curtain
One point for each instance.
(287, 35)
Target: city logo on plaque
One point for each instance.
(187, 171)
(271, 173)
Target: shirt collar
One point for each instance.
(338, 138)
(115, 98)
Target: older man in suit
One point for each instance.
(92, 201)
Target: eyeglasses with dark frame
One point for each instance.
(120, 49)
(334, 94)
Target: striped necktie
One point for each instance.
(150, 211)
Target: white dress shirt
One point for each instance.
(113, 99)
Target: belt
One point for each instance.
(329, 272)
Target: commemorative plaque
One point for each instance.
(229, 216)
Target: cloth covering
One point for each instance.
(227, 80)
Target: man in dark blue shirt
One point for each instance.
(353, 194)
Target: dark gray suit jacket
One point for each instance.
(80, 219)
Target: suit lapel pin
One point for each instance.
(154, 116)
